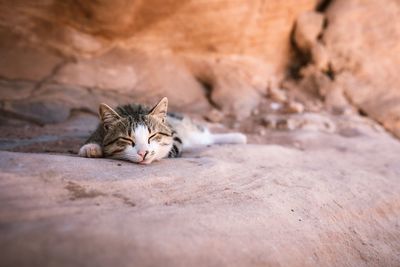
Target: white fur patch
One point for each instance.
(141, 138)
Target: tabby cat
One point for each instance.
(142, 135)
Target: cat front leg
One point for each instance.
(92, 147)
(91, 150)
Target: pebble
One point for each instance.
(214, 116)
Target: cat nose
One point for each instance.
(142, 153)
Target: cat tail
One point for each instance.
(228, 138)
(205, 138)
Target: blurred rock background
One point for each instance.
(314, 84)
(245, 64)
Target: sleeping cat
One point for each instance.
(142, 135)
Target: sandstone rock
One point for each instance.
(307, 29)
(139, 76)
(51, 104)
(20, 60)
(12, 90)
(215, 206)
(374, 53)
(306, 121)
(236, 83)
(336, 102)
(234, 27)
(361, 46)
(277, 94)
(214, 115)
(320, 57)
(294, 107)
(146, 52)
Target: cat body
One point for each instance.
(143, 135)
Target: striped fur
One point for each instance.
(142, 135)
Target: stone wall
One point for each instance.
(64, 55)
(355, 59)
(203, 55)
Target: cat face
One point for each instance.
(140, 138)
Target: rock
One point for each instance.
(275, 106)
(214, 115)
(269, 121)
(320, 57)
(315, 122)
(236, 83)
(125, 47)
(371, 59)
(183, 210)
(336, 101)
(20, 60)
(13, 90)
(307, 29)
(305, 121)
(277, 94)
(114, 70)
(37, 111)
(89, 29)
(362, 59)
(294, 107)
(141, 77)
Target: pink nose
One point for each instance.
(142, 153)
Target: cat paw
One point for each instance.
(90, 151)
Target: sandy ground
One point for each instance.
(320, 199)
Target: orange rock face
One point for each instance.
(252, 28)
(244, 46)
(358, 54)
(366, 56)
(201, 54)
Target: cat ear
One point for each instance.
(160, 110)
(107, 115)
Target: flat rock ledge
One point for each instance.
(336, 204)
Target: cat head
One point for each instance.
(138, 137)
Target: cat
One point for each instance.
(141, 135)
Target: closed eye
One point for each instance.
(127, 140)
(151, 136)
(155, 134)
(121, 139)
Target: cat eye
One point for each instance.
(150, 137)
(157, 134)
(122, 141)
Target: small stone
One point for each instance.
(269, 122)
(255, 112)
(275, 106)
(281, 124)
(214, 116)
(295, 107)
(277, 94)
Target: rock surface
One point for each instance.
(318, 185)
(150, 49)
(357, 56)
(332, 200)
(100, 51)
